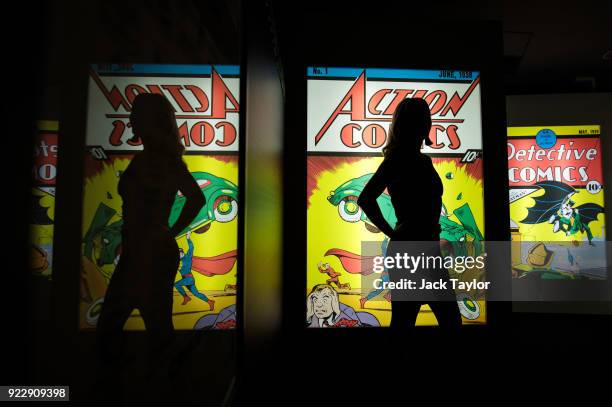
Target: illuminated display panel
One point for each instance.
(43, 199)
(348, 115)
(557, 220)
(205, 99)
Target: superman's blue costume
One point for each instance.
(187, 279)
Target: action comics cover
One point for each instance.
(557, 219)
(205, 99)
(349, 112)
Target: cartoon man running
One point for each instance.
(325, 268)
(187, 279)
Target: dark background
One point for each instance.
(522, 48)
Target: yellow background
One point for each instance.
(544, 231)
(326, 230)
(219, 239)
(42, 235)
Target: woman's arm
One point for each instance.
(195, 199)
(367, 199)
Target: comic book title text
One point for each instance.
(45, 159)
(570, 161)
(206, 109)
(361, 119)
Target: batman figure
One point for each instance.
(557, 207)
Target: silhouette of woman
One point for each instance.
(416, 194)
(149, 259)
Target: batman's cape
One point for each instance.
(40, 213)
(548, 204)
(588, 212)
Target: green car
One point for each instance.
(221, 203)
(345, 198)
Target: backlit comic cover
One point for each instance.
(205, 99)
(557, 202)
(43, 199)
(349, 112)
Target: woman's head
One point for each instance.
(153, 121)
(410, 126)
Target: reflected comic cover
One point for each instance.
(43, 199)
(205, 99)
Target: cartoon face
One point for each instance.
(322, 302)
(566, 209)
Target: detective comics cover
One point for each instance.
(205, 99)
(556, 202)
(349, 111)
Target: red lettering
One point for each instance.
(200, 95)
(114, 96)
(439, 96)
(400, 94)
(433, 136)
(229, 134)
(202, 133)
(155, 89)
(184, 134)
(175, 92)
(376, 99)
(453, 137)
(220, 96)
(456, 101)
(419, 94)
(374, 135)
(116, 133)
(355, 95)
(346, 135)
(131, 91)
